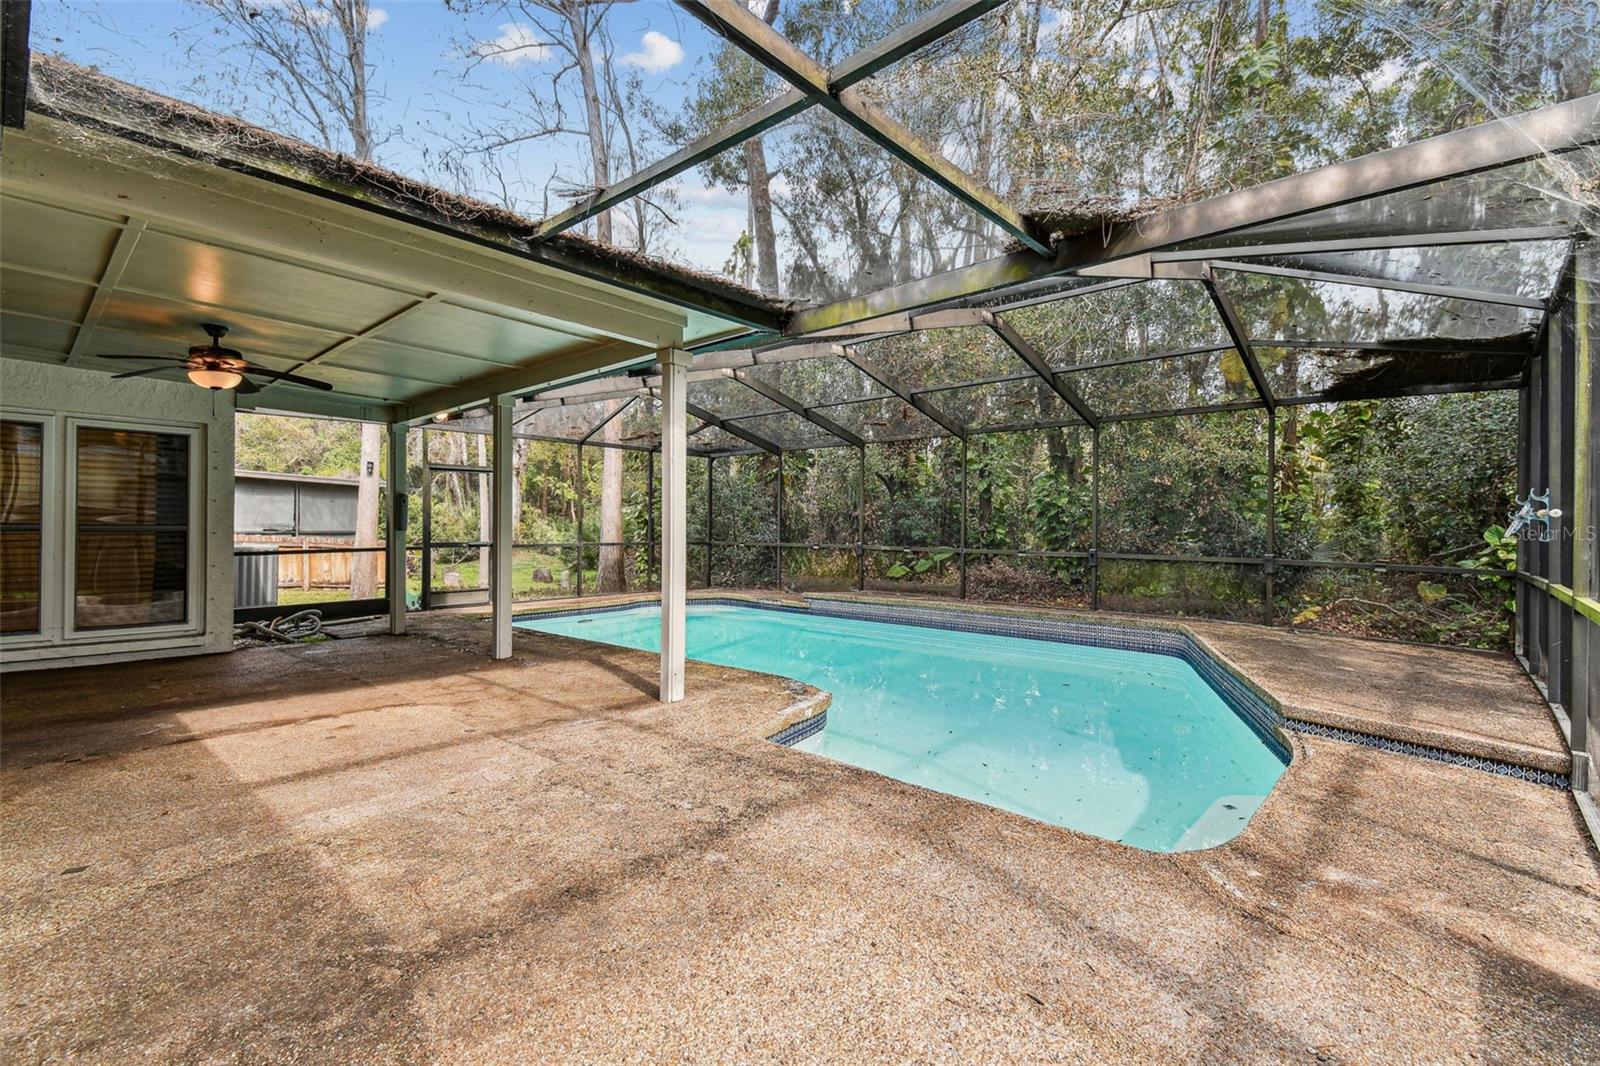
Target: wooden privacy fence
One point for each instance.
(320, 570)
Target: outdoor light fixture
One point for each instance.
(215, 378)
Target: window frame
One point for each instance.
(49, 527)
(58, 523)
(194, 555)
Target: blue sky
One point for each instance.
(426, 82)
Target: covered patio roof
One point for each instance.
(130, 219)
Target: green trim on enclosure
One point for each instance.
(1582, 396)
(1584, 605)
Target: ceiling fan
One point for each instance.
(214, 367)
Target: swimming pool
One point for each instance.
(1127, 745)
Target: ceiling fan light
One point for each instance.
(215, 379)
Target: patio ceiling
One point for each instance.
(117, 246)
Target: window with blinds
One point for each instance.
(132, 546)
(21, 532)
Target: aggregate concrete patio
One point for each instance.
(395, 850)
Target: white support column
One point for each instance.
(500, 555)
(674, 551)
(395, 570)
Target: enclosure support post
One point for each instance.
(578, 510)
(1094, 518)
(1585, 435)
(650, 511)
(861, 522)
(780, 521)
(500, 555)
(711, 469)
(395, 553)
(674, 528)
(427, 528)
(963, 524)
(1271, 565)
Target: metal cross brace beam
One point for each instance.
(1236, 332)
(1452, 292)
(773, 113)
(604, 422)
(732, 427)
(733, 20)
(877, 373)
(778, 396)
(1030, 355)
(1503, 142)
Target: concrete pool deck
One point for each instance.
(395, 850)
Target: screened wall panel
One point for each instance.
(1466, 610)
(820, 493)
(913, 496)
(1235, 592)
(1000, 578)
(1190, 485)
(813, 569)
(1415, 480)
(1030, 491)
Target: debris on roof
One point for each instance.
(85, 96)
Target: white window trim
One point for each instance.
(59, 527)
(49, 528)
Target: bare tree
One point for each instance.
(309, 58)
(564, 59)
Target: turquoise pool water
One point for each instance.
(1125, 745)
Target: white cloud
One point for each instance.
(659, 53)
(517, 43)
(376, 17)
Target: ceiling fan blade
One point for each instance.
(294, 379)
(246, 386)
(141, 373)
(147, 358)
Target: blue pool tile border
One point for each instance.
(1262, 718)
(1432, 754)
(807, 727)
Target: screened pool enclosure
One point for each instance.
(1119, 443)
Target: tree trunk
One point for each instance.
(765, 235)
(485, 512)
(364, 565)
(599, 151)
(760, 179)
(519, 460)
(613, 575)
(352, 16)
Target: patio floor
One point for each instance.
(393, 849)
